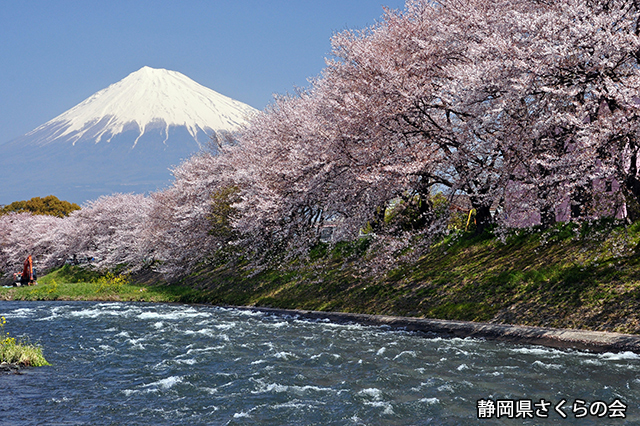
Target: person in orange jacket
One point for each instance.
(27, 272)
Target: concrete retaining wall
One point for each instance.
(595, 341)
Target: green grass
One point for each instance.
(76, 283)
(13, 351)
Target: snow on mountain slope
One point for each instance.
(145, 99)
(124, 138)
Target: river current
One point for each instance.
(167, 364)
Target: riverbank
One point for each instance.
(568, 277)
(593, 341)
(75, 283)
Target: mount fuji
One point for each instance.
(124, 138)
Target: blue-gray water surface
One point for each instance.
(165, 364)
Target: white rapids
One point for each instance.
(162, 364)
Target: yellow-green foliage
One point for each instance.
(45, 291)
(111, 283)
(223, 212)
(6, 339)
(15, 352)
(49, 205)
(462, 220)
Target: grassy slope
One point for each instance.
(564, 277)
(558, 279)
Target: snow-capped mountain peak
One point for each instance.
(124, 138)
(148, 99)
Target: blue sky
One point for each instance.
(55, 54)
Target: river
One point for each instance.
(168, 364)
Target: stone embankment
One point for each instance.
(594, 341)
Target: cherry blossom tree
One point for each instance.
(570, 101)
(23, 234)
(109, 231)
(180, 231)
(409, 76)
(540, 95)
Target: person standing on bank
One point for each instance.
(27, 272)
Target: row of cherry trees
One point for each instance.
(527, 106)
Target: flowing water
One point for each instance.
(164, 364)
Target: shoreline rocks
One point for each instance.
(10, 368)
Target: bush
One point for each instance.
(111, 283)
(49, 205)
(13, 351)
